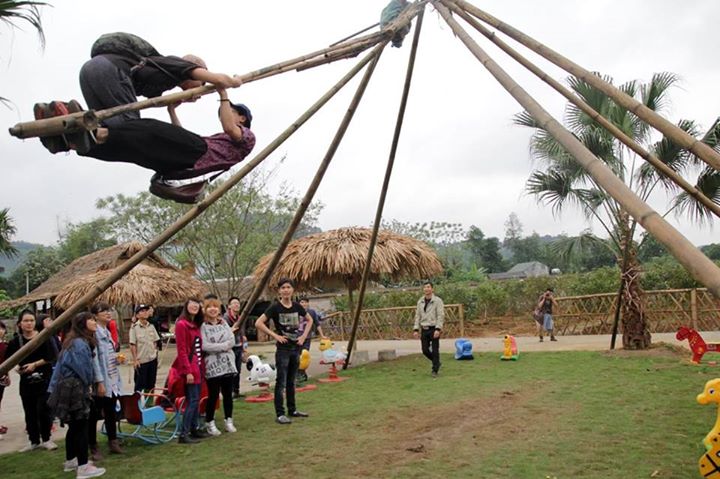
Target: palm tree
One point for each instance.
(561, 181)
(7, 230)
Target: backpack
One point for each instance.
(121, 43)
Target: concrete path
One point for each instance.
(12, 416)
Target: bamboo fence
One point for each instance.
(389, 323)
(665, 311)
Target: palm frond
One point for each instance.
(671, 154)
(526, 119)
(554, 188)
(569, 248)
(709, 185)
(27, 11)
(655, 92)
(7, 230)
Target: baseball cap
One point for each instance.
(243, 110)
(140, 307)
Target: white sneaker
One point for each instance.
(29, 447)
(86, 471)
(229, 426)
(70, 465)
(49, 445)
(212, 429)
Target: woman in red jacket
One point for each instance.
(189, 365)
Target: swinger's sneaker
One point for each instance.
(54, 144)
(212, 429)
(229, 426)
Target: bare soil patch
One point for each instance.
(455, 431)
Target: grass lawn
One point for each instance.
(559, 415)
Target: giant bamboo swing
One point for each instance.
(699, 266)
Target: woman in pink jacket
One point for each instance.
(189, 365)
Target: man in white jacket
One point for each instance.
(429, 319)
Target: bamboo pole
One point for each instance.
(694, 308)
(385, 186)
(183, 221)
(310, 193)
(697, 264)
(462, 319)
(90, 120)
(355, 34)
(588, 110)
(673, 132)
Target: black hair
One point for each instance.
(234, 297)
(40, 321)
(303, 298)
(428, 282)
(550, 289)
(25, 312)
(99, 307)
(210, 296)
(283, 281)
(198, 319)
(3, 326)
(78, 329)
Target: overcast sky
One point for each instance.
(460, 157)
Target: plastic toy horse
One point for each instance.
(697, 344)
(709, 463)
(510, 350)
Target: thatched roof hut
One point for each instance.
(337, 258)
(153, 281)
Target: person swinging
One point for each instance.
(123, 65)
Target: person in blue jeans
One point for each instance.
(189, 365)
(286, 315)
(545, 305)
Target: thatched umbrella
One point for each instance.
(152, 281)
(337, 257)
(143, 284)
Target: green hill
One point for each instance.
(10, 264)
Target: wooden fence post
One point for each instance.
(693, 308)
(342, 326)
(462, 320)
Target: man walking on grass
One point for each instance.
(429, 319)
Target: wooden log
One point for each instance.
(183, 221)
(55, 126)
(588, 110)
(262, 283)
(676, 134)
(697, 264)
(386, 184)
(694, 309)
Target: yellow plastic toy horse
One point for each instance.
(711, 394)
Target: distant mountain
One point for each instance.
(11, 264)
